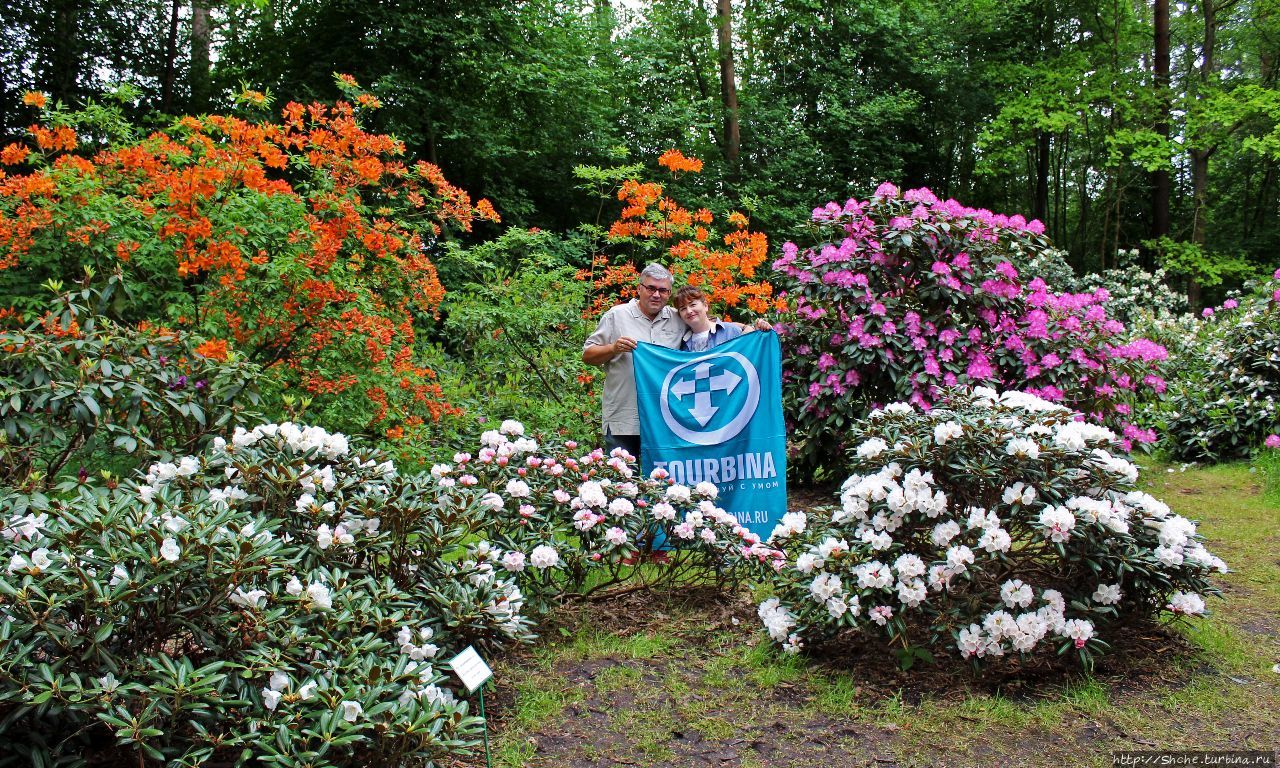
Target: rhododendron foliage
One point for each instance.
(905, 294)
(301, 243)
(1224, 399)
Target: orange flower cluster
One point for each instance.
(675, 161)
(61, 139)
(30, 196)
(14, 154)
(609, 283)
(316, 384)
(60, 328)
(726, 271)
(214, 349)
(325, 281)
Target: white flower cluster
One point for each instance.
(303, 439)
(416, 644)
(1177, 544)
(1187, 603)
(424, 689)
(1020, 400)
(27, 528)
(315, 594)
(278, 688)
(1114, 465)
(915, 493)
(791, 524)
(779, 622)
(505, 443)
(481, 568)
(1077, 435)
(40, 561)
(1001, 631)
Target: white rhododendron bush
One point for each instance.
(289, 597)
(283, 597)
(995, 524)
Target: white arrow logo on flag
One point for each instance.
(678, 385)
(703, 410)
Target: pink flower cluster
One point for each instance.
(910, 294)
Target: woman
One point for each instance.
(705, 333)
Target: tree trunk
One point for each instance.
(1160, 185)
(170, 60)
(732, 143)
(200, 30)
(1200, 156)
(1041, 207)
(61, 77)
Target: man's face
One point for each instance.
(653, 295)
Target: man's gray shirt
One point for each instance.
(621, 416)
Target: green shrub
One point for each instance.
(902, 295)
(81, 390)
(283, 597)
(301, 242)
(570, 521)
(1135, 293)
(516, 328)
(1225, 398)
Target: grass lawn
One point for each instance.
(646, 681)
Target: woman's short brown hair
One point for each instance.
(687, 295)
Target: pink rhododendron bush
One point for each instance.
(283, 596)
(904, 294)
(997, 525)
(570, 521)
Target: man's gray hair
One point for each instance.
(655, 271)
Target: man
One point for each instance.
(645, 318)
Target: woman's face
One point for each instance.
(695, 314)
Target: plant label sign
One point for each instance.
(470, 669)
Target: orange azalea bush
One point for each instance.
(301, 243)
(723, 259)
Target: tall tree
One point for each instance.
(732, 142)
(1160, 184)
(169, 78)
(201, 31)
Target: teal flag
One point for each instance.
(716, 417)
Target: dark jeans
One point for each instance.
(631, 443)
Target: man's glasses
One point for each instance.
(656, 289)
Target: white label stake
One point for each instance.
(470, 669)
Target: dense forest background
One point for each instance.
(1120, 124)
